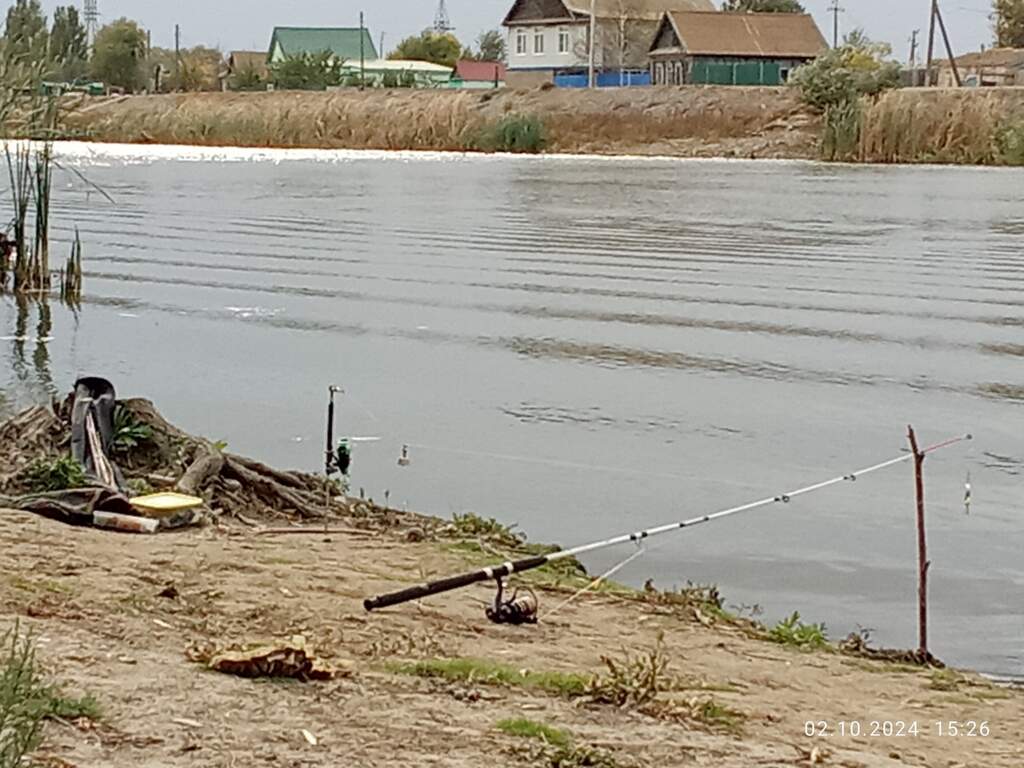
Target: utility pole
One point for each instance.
(593, 34)
(913, 57)
(835, 9)
(362, 52)
(177, 53)
(949, 48)
(380, 51)
(930, 61)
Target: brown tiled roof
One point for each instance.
(1012, 58)
(650, 10)
(785, 35)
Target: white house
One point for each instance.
(550, 38)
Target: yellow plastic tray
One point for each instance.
(166, 503)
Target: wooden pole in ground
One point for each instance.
(922, 547)
(949, 48)
(931, 44)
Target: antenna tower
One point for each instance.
(442, 24)
(91, 14)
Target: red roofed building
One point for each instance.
(478, 74)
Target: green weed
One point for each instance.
(1010, 142)
(794, 632)
(46, 476)
(129, 432)
(631, 681)
(530, 729)
(481, 672)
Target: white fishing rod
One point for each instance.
(502, 570)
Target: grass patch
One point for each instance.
(481, 672)
(513, 133)
(633, 680)
(944, 680)
(795, 633)
(86, 707)
(523, 728)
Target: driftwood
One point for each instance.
(231, 484)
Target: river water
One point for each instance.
(589, 346)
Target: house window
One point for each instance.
(563, 41)
(521, 42)
(538, 42)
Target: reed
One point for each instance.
(71, 275)
(972, 126)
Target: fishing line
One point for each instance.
(545, 462)
(594, 584)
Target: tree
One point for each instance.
(25, 31)
(119, 55)
(308, 72)
(859, 67)
(491, 46)
(763, 6)
(69, 46)
(443, 49)
(1009, 16)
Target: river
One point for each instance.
(585, 347)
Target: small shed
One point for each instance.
(718, 48)
(478, 75)
(346, 43)
(992, 68)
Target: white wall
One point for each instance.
(550, 58)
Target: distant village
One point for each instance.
(537, 44)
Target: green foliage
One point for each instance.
(491, 46)
(69, 46)
(471, 525)
(1009, 15)
(841, 139)
(513, 133)
(119, 54)
(26, 701)
(483, 672)
(308, 72)
(25, 31)
(443, 49)
(523, 728)
(21, 695)
(247, 78)
(55, 475)
(129, 432)
(795, 633)
(857, 68)
(1010, 142)
(763, 6)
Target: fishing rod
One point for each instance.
(500, 571)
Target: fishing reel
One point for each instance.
(516, 610)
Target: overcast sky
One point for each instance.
(246, 24)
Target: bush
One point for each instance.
(857, 68)
(513, 133)
(841, 140)
(1010, 142)
(308, 72)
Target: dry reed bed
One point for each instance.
(611, 120)
(943, 126)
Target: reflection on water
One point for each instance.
(590, 346)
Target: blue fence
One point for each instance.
(605, 79)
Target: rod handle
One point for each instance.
(451, 583)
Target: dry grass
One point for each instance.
(573, 120)
(940, 126)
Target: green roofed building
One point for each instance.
(343, 42)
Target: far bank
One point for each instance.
(958, 126)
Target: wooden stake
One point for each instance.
(922, 548)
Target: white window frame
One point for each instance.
(538, 42)
(564, 41)
(522, 42)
